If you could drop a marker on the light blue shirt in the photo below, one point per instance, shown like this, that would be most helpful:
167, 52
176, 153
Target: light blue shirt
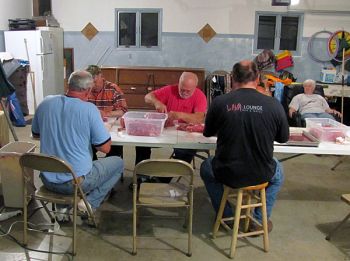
67, 127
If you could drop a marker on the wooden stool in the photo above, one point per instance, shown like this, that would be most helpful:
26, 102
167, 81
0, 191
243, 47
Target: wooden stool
248, 204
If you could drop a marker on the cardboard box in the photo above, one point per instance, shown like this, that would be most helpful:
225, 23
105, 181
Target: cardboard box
328, 76
41, 22
11, 173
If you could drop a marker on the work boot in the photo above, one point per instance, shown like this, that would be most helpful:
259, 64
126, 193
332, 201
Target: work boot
255, 227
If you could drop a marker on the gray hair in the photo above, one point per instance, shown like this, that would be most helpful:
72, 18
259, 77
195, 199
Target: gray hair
189, 75
80, 81
309, 82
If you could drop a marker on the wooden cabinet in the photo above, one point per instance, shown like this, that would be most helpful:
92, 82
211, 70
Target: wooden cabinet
110, 74
136, 82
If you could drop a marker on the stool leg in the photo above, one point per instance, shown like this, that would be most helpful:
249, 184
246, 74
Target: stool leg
221, 210
247, 213
328, 237
264, 219
236, 223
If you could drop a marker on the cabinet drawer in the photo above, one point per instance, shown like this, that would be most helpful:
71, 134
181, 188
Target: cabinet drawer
166, 77
137, 101
129, 76
163, 78
136, 89
153, 76
110, 74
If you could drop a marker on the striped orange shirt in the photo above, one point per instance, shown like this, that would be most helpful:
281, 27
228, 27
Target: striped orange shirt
110, 98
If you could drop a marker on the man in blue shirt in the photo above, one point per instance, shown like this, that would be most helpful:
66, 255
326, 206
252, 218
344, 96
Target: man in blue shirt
67, 125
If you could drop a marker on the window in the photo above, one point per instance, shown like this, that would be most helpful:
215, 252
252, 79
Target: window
278, 32
138, 28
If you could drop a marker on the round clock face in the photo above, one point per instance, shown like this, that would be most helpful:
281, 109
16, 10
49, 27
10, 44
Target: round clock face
337, 42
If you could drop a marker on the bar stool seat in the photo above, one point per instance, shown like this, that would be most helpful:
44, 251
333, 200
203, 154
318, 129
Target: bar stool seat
251, 200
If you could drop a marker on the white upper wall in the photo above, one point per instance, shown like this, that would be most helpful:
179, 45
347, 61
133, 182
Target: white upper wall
185, 16
225, 16
10, 9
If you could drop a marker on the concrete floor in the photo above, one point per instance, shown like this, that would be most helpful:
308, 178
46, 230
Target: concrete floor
308, 207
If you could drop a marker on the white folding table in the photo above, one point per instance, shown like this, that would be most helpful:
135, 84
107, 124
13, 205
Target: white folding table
172, 138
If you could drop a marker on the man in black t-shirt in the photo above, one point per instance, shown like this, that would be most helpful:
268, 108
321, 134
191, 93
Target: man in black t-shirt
246, 124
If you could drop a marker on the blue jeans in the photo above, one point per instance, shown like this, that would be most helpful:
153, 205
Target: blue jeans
104, 174
216, 189
317, 115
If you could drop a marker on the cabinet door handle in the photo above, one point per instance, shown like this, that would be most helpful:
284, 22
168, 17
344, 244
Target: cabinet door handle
149, 89
133, 88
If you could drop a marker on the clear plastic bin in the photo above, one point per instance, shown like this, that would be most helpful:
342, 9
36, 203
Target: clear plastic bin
326, 129
139, 123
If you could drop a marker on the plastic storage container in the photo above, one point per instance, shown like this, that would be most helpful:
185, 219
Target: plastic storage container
326, 129
139, 123
328, 76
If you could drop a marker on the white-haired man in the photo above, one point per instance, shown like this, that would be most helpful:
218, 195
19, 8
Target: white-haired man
311, 105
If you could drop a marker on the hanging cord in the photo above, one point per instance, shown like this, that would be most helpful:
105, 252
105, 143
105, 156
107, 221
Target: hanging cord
310, 48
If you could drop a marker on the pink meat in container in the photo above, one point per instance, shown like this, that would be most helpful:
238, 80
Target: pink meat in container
139, 123
326, 129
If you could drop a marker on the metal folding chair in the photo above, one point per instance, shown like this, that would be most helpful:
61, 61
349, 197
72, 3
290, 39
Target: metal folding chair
41, 163
161, 195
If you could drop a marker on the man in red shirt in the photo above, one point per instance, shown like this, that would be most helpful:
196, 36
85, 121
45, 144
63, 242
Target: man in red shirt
183, 102
109, 99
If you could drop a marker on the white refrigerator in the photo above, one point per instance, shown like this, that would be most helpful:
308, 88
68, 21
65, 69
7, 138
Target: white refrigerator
44, 50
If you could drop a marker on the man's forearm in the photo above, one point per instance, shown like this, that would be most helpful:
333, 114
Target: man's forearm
190, 117
331, 111
116, 113
150, 98
291, 111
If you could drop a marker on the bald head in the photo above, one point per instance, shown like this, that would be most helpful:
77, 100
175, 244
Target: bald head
244, 72
187, 84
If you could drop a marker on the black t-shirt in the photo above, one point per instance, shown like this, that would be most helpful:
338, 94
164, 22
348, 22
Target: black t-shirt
246, 123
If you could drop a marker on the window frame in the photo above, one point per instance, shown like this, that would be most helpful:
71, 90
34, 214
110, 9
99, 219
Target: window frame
277, 42
138, 12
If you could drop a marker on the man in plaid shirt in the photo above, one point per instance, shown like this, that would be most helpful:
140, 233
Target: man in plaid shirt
109, 99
